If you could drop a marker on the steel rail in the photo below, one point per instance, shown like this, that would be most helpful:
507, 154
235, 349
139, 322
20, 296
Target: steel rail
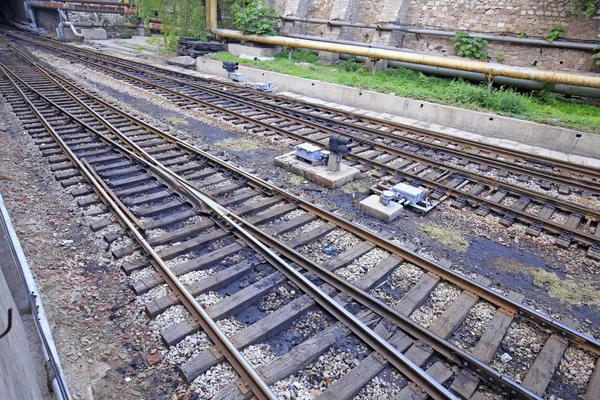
465, 283
590, 214
557, 178
233, 356
396, 358
583, 237
510, 153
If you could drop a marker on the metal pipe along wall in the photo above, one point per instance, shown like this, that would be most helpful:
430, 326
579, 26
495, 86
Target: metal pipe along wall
490, 69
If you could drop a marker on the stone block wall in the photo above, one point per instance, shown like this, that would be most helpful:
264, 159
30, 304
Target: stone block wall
501, 17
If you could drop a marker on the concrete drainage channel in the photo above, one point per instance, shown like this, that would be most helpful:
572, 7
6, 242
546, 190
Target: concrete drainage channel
427, 115
23, 321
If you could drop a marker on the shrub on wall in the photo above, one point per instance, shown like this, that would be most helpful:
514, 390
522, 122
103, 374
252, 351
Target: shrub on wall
179, 18
254, 18
467, 46
596, 55
556, 32
586, 7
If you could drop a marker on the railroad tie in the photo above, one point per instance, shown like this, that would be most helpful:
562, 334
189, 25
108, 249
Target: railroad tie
466, 382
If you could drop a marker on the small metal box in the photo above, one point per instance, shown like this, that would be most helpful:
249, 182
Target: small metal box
263, 87
309, 153
409, 193
236, 76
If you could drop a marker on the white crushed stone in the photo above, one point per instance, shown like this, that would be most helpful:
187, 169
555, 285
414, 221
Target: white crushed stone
208, 299
188, 348
331, 366
379, 389
210, 382
524, 341
362, 265
576, 367
299, 231
475, 324
173, 315
441, 297
230, 326
338, 239
196, 276
405, 276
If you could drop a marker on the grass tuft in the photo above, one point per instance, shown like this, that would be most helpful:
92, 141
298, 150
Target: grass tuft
567, 290
450, 237
242, 144
538, 106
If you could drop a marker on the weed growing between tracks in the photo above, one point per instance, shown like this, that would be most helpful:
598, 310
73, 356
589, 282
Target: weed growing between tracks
452, 238
540, 106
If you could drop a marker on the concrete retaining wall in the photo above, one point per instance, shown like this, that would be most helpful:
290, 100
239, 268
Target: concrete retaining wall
490, 125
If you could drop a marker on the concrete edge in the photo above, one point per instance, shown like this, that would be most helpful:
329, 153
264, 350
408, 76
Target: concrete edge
558, 143
578, 150
37, 308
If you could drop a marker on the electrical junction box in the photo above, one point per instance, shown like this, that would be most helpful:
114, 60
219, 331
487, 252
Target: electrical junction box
236, 76
409, 194
263, 87
309, 153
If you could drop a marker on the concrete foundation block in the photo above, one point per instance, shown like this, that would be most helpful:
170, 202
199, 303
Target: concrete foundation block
317, 173
94, 34
69, 35
374, 208
243, 51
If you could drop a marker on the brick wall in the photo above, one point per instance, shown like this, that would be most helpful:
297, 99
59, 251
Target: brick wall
533, 17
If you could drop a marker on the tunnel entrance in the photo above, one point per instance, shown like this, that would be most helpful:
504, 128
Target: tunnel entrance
13, 10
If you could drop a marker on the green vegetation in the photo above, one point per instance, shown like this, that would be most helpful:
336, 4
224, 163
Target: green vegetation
521, 35
467, 46
125, 33
177, 121
556, 32
182, 18
253, 17
596, 55
156, 40
240, 144
500, 58
584, 6
568, 290
450, 237
540, 106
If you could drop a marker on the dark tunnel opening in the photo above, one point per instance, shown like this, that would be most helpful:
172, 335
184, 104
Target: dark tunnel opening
13, 10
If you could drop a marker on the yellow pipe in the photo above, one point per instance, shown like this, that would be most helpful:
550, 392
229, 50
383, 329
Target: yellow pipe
567, 78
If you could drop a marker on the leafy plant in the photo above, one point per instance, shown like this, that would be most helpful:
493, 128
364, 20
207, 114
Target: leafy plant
500, 57
179, 18
134, 19
545, 95
467, 46
254, 18
350, 64
596, 55
521, 35
125, 33
584, 6
556, 32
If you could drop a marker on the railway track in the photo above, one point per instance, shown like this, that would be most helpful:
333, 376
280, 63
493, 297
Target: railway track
542, 194
191, 212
